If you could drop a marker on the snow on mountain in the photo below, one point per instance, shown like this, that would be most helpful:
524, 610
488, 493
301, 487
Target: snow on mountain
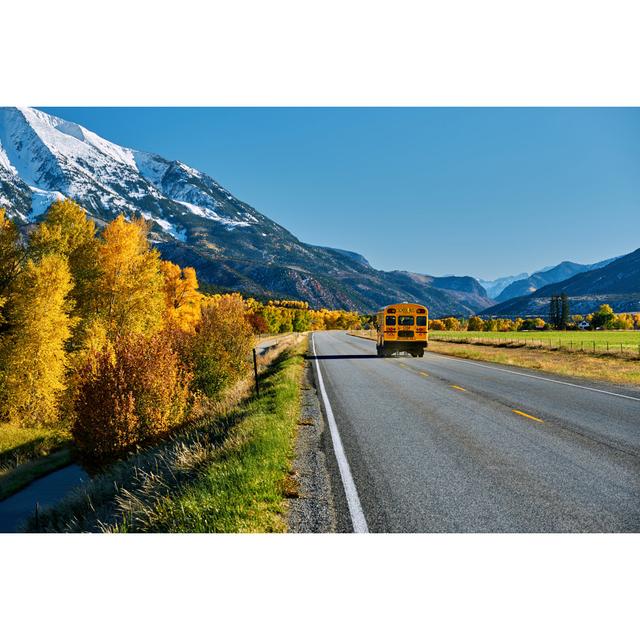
47, 157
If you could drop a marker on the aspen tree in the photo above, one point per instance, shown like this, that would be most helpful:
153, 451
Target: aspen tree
66, 230
130, 294
182, 299
12, 253
33, 355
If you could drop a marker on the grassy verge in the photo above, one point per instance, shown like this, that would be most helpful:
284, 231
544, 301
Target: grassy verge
226, 472
27, 454
243, 489
567, 363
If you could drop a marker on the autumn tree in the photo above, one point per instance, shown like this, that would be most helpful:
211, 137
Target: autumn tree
12, 253
257, 322
182, 299
622, 321
603, 317
129, 393
475, 324
491, 324
130, 294
451, 324
65, 230
504, 324
32, 355
218, 352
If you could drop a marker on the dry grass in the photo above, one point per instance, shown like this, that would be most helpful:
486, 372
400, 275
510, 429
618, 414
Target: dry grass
582, 365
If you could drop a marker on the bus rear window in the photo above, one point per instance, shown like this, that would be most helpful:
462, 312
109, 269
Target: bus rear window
405, 321
391, 320
421, 321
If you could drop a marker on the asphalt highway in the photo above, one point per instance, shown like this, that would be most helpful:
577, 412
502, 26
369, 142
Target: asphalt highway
440, 444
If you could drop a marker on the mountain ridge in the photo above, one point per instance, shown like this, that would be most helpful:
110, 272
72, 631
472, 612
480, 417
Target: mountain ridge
549, 275
195, 221
617, 283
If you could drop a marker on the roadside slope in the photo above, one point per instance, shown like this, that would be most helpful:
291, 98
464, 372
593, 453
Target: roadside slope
228, 473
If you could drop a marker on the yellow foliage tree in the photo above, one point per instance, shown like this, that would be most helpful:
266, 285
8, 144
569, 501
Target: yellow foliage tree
475, 324
66, 230
451, 324
130, 292
218, 352
33, 355
12, 254
182, 299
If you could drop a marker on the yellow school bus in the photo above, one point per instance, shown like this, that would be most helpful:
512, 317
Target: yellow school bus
403, 327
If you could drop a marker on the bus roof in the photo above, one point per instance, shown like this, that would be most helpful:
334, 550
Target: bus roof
405, 305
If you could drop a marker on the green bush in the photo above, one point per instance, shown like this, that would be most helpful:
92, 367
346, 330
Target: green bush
218, 352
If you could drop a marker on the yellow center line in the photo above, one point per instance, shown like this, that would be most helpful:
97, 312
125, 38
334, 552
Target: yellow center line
422, 373
526, 415
455, 386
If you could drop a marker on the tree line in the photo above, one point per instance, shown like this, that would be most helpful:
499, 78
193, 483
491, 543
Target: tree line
282, 316
559, 318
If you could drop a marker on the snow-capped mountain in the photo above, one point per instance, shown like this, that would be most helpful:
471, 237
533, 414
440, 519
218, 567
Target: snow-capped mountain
47, 158
195, 221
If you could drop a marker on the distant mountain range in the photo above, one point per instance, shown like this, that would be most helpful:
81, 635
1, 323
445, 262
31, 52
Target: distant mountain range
535, 281
617, 283
197, 222
495, 287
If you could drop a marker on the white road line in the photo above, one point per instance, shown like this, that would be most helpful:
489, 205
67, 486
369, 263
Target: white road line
355, 508
529, 375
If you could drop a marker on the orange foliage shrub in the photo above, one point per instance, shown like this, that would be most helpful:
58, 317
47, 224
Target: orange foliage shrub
257, 322
129, 394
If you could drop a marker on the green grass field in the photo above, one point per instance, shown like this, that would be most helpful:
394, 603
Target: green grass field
574, 340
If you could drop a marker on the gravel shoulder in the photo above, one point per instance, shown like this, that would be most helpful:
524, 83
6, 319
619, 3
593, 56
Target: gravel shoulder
313, 510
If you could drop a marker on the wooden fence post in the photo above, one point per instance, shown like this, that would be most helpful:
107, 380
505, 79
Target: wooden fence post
255, 372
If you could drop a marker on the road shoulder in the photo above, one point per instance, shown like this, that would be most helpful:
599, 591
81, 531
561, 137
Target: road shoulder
312, 510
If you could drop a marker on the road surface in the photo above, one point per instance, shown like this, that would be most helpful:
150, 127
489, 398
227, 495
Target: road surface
440, 444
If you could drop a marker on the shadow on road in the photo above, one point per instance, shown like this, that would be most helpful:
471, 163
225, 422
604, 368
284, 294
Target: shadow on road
346, 356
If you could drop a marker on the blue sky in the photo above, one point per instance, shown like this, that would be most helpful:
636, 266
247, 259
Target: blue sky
485, 192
